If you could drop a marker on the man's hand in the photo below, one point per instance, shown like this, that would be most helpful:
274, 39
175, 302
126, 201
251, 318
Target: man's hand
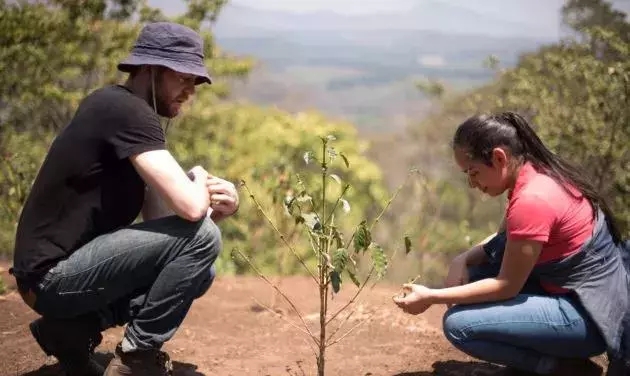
224, 200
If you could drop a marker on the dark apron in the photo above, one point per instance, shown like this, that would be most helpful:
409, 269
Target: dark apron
599, 276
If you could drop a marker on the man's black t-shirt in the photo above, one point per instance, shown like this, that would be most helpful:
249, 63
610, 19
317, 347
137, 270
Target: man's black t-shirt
86, 186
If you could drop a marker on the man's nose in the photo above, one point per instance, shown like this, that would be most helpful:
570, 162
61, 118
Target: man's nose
472, 183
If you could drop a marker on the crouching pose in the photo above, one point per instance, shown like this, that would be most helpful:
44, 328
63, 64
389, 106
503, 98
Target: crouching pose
80, 260
550, 289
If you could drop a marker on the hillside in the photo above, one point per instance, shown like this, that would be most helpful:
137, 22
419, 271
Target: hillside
366, 77
362, 67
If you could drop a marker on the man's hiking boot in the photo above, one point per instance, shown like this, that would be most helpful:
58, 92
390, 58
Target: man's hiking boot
578, 367
139, 363
72, 342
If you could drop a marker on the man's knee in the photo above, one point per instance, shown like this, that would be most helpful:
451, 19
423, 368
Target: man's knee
207, 282
208, 239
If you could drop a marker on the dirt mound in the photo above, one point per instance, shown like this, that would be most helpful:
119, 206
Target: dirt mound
229, 332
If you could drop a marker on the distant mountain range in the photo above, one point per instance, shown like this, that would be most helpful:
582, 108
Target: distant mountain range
431, 15
361, 71
363, 68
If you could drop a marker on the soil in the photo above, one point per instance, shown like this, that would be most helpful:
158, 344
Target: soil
229, 332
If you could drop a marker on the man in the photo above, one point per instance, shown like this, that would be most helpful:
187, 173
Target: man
79, 260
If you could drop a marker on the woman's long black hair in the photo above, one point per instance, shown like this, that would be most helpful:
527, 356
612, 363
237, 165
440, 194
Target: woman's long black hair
480, 134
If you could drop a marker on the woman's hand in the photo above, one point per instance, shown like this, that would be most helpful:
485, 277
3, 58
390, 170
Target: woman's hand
414, 299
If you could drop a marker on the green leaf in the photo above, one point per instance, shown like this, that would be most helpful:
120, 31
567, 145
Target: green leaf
300, 183
304, 202
345, 160
291, 207
340, 259
309, 156
335, 281
332, 154
336, 178
354, 278
304, 198
337, 236
362, 237
312, 221
407, 245
379, 259
346, 205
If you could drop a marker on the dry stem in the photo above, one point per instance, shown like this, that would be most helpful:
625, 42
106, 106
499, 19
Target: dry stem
296, 326
261, 275
348, 332
286, 242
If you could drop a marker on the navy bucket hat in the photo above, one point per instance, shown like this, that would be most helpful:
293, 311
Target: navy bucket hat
170, 45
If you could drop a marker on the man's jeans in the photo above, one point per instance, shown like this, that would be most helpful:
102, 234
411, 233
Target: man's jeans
528, 332
146, 275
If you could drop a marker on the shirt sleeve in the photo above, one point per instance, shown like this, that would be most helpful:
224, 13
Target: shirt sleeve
530, 217
137, 131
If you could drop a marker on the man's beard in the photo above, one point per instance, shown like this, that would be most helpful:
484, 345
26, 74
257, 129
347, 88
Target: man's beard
158, 103
163, 109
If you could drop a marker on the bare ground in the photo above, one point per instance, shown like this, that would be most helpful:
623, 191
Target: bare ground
228, 332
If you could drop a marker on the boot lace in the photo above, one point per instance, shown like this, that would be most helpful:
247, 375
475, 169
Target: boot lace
164, 362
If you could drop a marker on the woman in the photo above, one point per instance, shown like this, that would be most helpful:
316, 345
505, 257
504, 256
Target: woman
551, 285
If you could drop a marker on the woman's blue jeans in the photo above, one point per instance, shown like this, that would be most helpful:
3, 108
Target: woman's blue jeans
529, 332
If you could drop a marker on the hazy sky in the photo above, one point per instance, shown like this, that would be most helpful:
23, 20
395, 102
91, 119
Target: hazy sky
341, 6
544, 13
531, 13
520, 9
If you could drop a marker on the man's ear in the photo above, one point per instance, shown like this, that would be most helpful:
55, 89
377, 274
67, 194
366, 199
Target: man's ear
499, 157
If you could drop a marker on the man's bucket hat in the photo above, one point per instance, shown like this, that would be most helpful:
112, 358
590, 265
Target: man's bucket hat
170, 45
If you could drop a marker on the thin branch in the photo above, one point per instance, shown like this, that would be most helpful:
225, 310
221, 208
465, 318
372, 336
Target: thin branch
387, 205
296, 326
353, 298
329, 344
367, 279
261, 275
345, 320
343, 193
286, 242
310, 238
391, 199
432, 224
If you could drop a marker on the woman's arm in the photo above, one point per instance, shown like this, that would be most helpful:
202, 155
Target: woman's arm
518, 261
477, 255
474, 256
